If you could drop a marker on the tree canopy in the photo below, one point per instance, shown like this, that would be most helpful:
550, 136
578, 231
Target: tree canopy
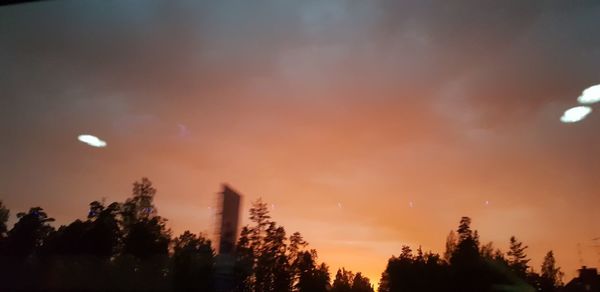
128, 246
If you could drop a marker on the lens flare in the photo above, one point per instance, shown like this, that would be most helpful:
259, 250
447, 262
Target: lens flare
590, 95
575, 114
91, 140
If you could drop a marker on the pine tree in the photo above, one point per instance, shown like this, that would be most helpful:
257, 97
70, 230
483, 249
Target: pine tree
466, 253
263, 247
517, 259
551, 277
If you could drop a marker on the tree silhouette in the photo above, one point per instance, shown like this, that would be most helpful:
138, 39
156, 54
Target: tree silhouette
343, 281
262, 260
346, 281
361, 284
193, 263
29, 232
127, 246
104, 234
244, 261
451, 242
146, 234
517, 259
551, 276
467, 266
467, 249
310, 276
274, 256
19, 268
420, 272
265, 260
140, 206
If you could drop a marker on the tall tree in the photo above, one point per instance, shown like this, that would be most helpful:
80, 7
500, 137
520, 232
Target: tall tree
140, 206
263, 245
517, 258
551, 277
146, 234
466, 263
145, 244
466, 252
274, 255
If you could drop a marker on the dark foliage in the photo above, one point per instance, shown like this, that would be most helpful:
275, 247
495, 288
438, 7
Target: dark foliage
127, 246
468, 266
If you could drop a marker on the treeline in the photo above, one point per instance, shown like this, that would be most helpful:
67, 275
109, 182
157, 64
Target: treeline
127, 246
469, 266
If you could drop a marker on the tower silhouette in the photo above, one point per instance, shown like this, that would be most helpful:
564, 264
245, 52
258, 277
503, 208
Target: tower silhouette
228, 216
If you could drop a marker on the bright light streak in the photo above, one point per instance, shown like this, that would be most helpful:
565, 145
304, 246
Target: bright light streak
575, 114
91, 140
590, 95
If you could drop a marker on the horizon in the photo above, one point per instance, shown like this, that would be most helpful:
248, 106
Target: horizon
213, 236
366, 125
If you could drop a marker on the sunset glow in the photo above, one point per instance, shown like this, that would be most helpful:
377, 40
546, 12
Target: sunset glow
363, 125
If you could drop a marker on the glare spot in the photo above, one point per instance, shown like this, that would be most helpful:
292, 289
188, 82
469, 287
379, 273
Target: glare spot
272, 206
487, 203
590, 95
410, 204
91, 140
339, 205
575, 114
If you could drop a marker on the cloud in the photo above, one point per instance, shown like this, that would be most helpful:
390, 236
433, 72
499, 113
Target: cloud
371, 104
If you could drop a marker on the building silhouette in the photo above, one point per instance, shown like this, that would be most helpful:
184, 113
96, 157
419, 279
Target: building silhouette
228, 217
587, 281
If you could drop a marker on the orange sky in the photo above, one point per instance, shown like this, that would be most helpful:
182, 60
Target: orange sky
312, 106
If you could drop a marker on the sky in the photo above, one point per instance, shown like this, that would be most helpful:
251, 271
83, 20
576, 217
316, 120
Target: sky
365, 125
